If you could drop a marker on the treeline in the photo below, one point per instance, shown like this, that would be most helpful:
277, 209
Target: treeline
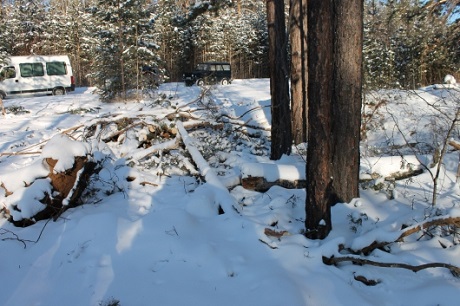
407, 43
410, 43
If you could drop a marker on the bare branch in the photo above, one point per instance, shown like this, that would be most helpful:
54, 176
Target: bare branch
361, 261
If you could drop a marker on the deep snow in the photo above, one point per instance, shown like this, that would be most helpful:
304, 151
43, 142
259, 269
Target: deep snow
165, 244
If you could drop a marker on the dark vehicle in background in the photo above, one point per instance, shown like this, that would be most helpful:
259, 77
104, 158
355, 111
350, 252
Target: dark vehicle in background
209, 73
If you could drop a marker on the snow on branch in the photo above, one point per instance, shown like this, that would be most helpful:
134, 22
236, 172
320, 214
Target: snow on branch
380, 239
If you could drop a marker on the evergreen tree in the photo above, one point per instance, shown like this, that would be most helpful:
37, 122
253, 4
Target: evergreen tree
79, 25
24, 29
379, 70
248, 41
237, 34
173, 51
124, 42
409, 43
3, 38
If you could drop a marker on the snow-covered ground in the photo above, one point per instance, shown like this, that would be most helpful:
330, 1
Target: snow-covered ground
157, 238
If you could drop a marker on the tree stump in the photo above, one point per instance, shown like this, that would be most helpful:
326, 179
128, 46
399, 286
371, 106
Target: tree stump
67, 188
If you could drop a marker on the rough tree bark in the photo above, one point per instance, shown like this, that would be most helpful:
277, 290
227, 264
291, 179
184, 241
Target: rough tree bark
346, 98
298, 38
319, 154
334, 116
281, 136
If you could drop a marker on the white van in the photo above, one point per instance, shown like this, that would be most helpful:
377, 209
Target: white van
36, 73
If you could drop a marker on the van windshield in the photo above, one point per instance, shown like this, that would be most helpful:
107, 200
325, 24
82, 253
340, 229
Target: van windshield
7, 73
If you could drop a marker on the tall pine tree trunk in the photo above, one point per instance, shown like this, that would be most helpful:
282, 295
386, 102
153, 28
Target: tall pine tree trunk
319, 154
334, 117
281, 136
299, 106
346, 124
121, 48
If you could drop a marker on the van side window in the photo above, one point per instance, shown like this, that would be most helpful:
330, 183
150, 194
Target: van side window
226, 67
56, 68
8, 73
31, 69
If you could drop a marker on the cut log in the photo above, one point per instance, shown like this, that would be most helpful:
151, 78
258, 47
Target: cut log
142, 153
454, 144
261, 184
262, 176
277, 234
64, 182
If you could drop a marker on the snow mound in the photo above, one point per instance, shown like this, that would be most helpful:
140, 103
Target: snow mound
63, 149
449, 79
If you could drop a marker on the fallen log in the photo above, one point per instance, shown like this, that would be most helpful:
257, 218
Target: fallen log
142, 153
262, 176
226, 202
361, 261
261, 184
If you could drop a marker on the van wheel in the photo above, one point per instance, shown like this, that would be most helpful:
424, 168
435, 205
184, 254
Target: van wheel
58, 91
225, 82
200, 82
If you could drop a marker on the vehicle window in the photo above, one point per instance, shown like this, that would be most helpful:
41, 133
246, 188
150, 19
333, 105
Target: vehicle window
213, 68
31, 69
202, 67
226, 67
56, 68
8, 73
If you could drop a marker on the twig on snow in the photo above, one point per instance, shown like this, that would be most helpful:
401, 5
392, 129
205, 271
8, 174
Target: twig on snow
23, 241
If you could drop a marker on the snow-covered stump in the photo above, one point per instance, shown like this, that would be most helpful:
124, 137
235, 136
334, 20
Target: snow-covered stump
66, 167
69, 185
222, 196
